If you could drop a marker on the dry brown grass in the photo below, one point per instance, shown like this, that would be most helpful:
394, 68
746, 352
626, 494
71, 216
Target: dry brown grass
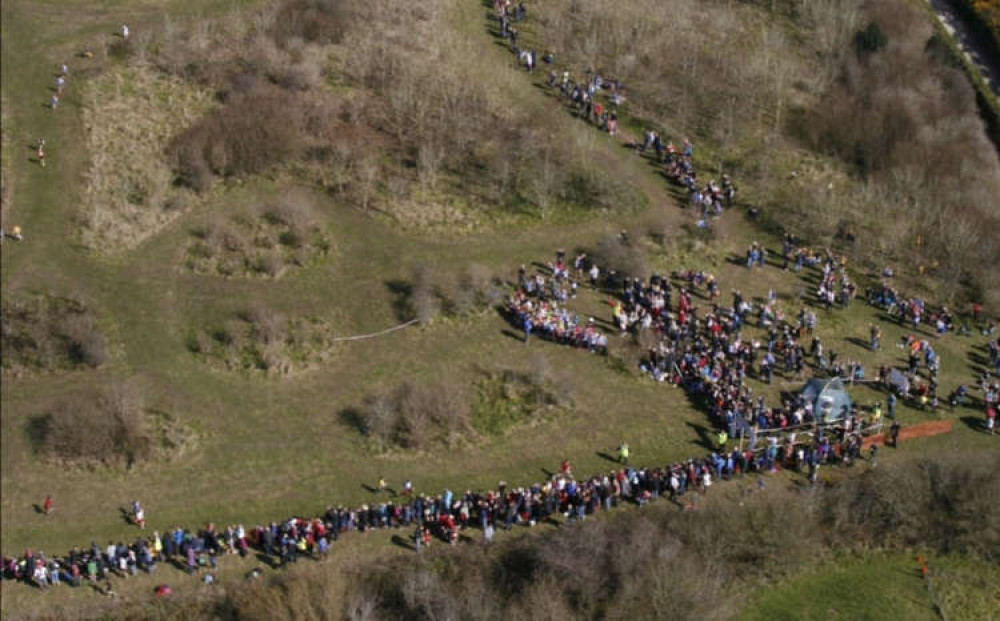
130, 115
382, 104
914, 176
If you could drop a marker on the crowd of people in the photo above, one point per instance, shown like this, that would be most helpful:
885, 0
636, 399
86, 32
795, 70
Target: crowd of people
703, 350
442, 517
538, 306
597, 99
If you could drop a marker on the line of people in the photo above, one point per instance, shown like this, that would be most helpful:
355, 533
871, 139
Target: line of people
598, 99
442, 517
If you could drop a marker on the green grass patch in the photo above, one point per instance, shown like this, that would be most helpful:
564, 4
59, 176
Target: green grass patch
506, 399
880, 587
883, 587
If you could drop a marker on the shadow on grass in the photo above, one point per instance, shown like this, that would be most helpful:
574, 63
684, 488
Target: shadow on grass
402, 542
177, 564
402, 305
513, 335
974, 423
853, 340
978, 363
353, 418
704, 436
607, 457
37, 429
267, 560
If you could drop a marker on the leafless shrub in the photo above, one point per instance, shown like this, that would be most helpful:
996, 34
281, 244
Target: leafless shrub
109, 428
316, 21
261, 340
473, 290
252, 133
424, 300
49, 333
300, 593
265, 241
380, 419
415, 416
622, 255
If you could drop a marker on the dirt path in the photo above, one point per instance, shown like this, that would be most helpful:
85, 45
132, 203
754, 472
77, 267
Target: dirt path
974, 49
920, 430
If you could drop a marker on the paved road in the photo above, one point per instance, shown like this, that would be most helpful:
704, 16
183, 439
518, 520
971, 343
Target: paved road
975, 51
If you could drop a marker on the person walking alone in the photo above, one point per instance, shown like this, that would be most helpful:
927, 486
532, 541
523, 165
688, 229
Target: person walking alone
138, 515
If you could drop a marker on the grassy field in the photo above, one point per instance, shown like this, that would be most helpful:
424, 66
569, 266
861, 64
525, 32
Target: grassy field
883, 587
265, 446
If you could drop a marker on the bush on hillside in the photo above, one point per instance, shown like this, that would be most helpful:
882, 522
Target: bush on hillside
109, 428
928, 174
869, 40
620, 255
260, 340
414, 416
254, 132
265, 243
506, 399
49, 333
416, 114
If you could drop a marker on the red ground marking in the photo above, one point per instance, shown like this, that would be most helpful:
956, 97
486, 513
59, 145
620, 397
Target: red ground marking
920, 430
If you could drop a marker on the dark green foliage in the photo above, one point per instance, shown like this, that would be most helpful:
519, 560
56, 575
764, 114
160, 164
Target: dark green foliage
870, 40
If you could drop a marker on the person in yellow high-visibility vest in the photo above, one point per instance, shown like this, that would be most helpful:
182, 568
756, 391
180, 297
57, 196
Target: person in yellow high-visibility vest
623, 453
723, 438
